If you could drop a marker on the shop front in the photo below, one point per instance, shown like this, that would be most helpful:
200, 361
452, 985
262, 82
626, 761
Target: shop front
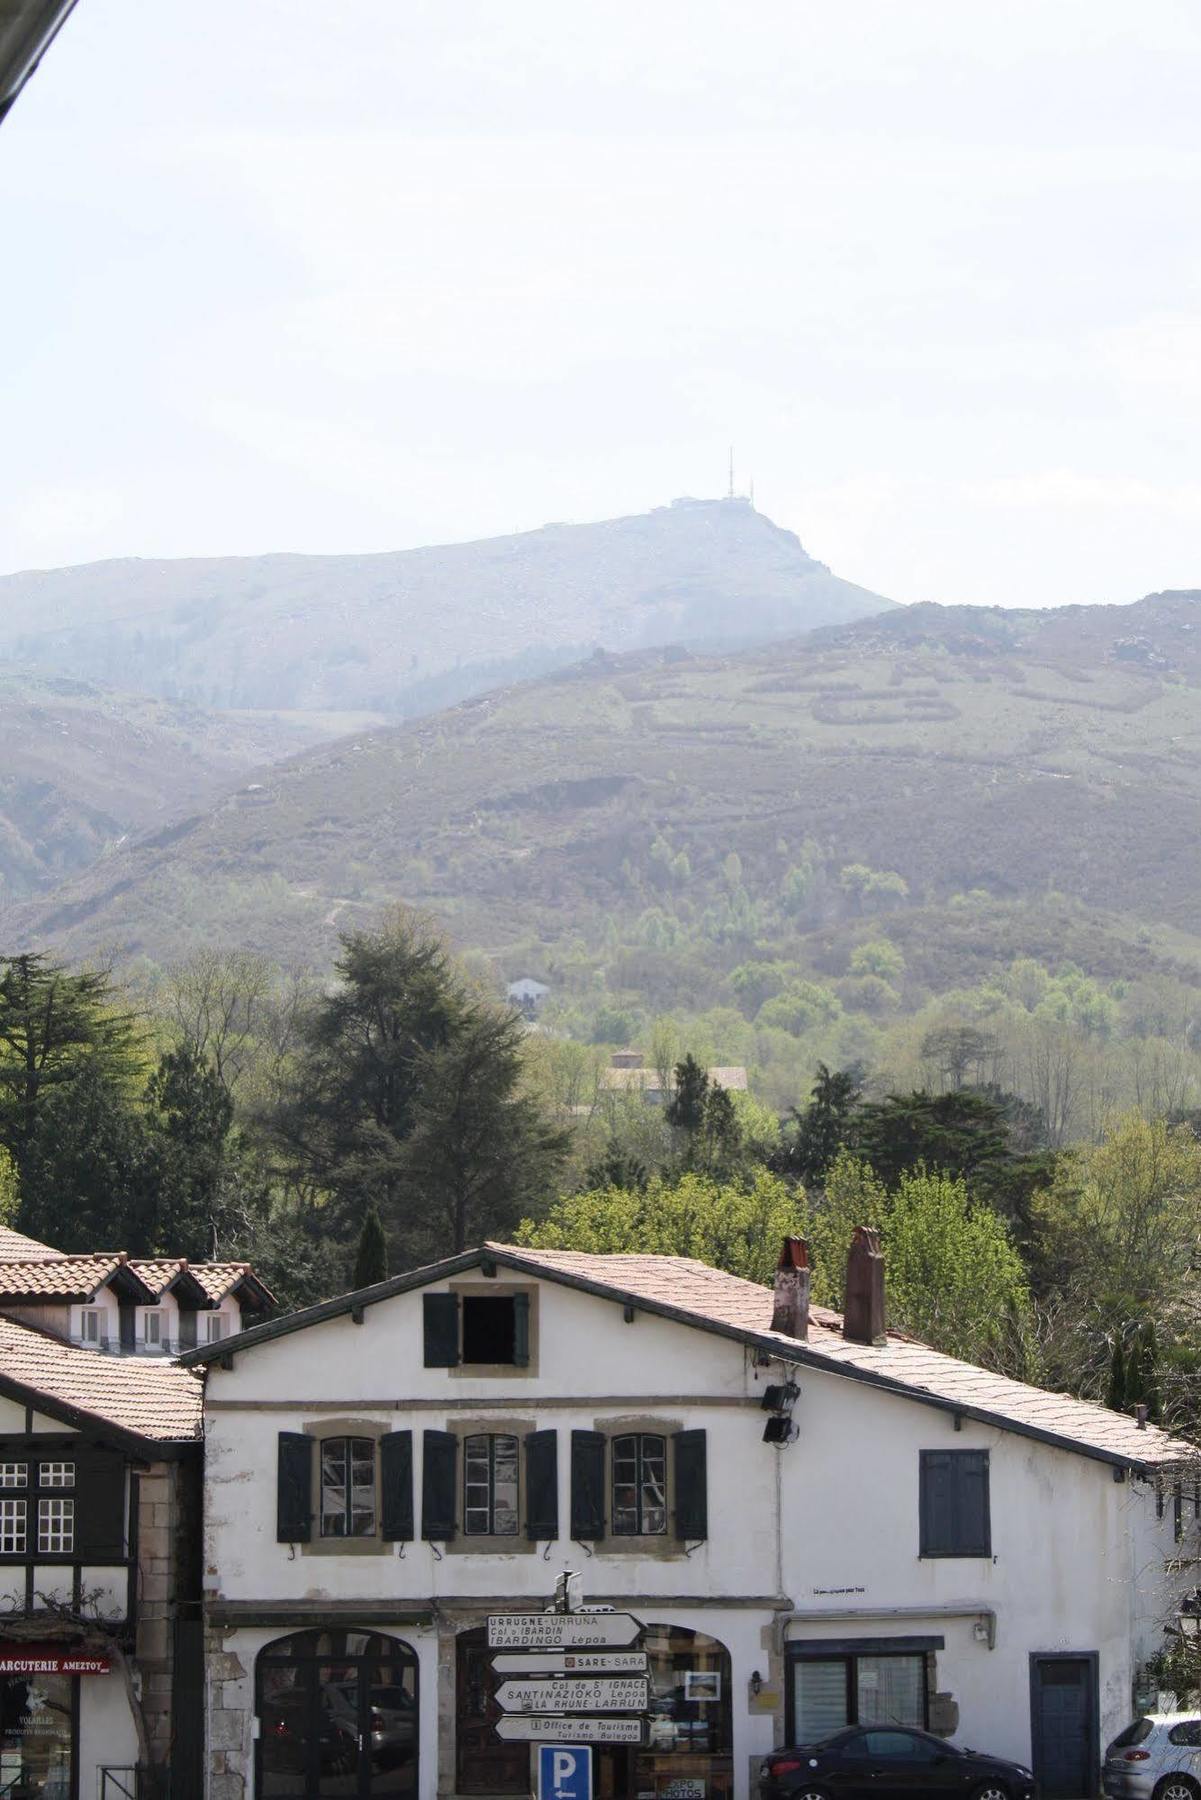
41, 1687
687, 1753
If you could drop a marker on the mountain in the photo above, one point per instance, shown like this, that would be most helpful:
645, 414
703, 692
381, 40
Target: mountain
1040, 761
82, 767
404, 632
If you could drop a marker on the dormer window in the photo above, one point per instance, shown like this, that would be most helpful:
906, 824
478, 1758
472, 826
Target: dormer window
92, 1326
478, 1329
152, 1329
215, 1327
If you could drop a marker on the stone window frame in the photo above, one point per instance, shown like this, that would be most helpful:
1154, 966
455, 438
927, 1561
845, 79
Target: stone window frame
663, 1546
481, 1543
375, 1545
486, 1288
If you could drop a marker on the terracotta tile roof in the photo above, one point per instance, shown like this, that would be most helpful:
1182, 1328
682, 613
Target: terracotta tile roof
156, 1272
219, 1279
63, 1278
684, 1286
640, 1080
16, 1247
146, 1395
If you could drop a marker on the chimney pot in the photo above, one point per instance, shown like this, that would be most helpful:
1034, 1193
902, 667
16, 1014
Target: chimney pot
863, 1308
790, 1309
1140, 1416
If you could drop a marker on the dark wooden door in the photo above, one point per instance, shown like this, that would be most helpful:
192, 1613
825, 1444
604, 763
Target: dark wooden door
484, 1764
1063, 1705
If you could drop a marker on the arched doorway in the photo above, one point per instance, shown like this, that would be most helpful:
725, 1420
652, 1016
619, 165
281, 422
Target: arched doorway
689, 1737
338, 1717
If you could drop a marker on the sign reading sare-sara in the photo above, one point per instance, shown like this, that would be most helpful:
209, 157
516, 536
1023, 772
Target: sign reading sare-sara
571, 1662
613, 1693
560, 1631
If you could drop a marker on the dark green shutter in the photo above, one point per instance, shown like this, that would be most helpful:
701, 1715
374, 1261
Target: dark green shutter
954, 1505
439, 1458
974, 1535
541, 1485
294, 1488
521, 1330
692, 1486
101, 1479
441, 1318
587, 1486
396, 1486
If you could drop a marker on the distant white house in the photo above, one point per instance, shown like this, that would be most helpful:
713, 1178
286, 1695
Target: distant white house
527, 994
817, 1522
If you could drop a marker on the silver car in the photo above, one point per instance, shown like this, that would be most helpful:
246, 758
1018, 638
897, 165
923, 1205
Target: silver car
1156, 1758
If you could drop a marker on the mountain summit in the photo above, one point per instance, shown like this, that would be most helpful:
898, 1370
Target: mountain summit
402, 632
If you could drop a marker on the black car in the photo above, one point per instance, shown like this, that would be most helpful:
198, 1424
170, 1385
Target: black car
882, 1762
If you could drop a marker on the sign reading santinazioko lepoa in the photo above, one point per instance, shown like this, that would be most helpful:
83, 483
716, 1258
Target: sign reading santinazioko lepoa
560, 1631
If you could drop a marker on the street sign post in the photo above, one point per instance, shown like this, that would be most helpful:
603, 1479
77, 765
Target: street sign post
600, 1694
561, 1631
563, 1773
549, 1728
571, 1662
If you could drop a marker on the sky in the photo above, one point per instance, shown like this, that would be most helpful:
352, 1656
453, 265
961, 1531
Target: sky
281, 275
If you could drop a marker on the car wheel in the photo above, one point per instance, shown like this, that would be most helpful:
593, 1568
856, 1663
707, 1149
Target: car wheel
1176, 1787
991, 1790
805, 1792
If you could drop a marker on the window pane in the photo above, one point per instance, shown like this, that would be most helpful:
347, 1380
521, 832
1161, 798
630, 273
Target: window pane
362, 1492
56, 1474
654, 1485
14, 1474
56, 1527
891, 1690
625, 1486
819, 1698
333, 1487
12, 1527
477, 1486
504, 1486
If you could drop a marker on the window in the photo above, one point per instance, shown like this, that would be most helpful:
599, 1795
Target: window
489, 1328
152, 1328
12, 1527
347, 1487
900, 1746
639, 1485
829, 1692
91, 1325
954, 1503
56, 1527
1189, 1734
490, 1485
14, 1474
56, 1474
214, 1327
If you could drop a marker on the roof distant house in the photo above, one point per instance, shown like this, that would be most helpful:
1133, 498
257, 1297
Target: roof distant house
693, 1293
208, 1282
71, 1278
626, 1074
155, 1401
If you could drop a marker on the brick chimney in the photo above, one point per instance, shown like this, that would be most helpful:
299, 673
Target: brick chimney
863, 1310
790, 1312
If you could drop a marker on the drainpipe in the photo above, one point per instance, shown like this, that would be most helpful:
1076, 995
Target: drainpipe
815, 1615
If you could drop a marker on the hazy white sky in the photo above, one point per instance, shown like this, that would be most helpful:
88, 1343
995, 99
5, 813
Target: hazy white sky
281, 274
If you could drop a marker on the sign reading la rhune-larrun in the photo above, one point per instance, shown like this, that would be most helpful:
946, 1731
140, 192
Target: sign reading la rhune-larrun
615, 1693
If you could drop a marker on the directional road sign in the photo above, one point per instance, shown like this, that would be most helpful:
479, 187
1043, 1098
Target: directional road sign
604, 1693
533, 1728
564, 1774
561, 1631
571, 1662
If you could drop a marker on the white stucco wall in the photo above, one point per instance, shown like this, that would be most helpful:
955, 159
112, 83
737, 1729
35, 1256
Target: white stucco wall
1077, 1559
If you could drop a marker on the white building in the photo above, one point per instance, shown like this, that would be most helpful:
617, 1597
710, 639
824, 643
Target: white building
934, 1544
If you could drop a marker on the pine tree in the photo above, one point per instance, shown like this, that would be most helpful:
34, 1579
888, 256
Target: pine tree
371, 1258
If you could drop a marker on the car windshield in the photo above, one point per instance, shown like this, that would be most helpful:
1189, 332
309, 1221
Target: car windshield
1133, 1734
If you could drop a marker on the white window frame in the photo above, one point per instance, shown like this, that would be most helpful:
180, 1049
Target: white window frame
153, 1316
56, 1527
14, 1474
92, 1322
14, 1526
56, 1474
216, 1327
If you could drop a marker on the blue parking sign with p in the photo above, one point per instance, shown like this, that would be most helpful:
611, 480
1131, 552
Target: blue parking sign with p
564, 1772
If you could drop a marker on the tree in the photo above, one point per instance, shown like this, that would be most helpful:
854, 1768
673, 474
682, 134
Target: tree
408, 1094
53, 1025
955, 1278
850, 1196
191, 1114
91, 1175
371, 1258
824, 1126
217, 1001
9, 1198
735, 1225
685, 1111
957, 1133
